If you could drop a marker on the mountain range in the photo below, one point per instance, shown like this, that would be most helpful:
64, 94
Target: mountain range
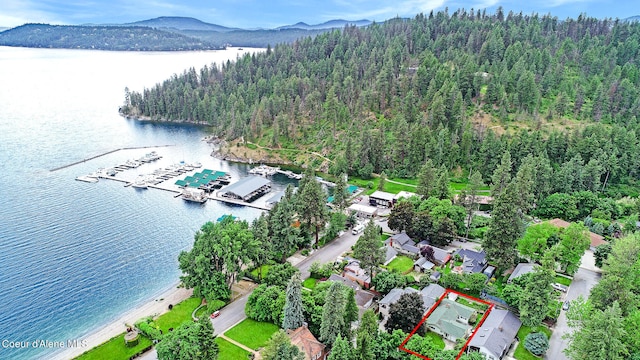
165, 33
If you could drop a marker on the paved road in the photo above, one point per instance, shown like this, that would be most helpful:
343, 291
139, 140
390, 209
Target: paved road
582, 283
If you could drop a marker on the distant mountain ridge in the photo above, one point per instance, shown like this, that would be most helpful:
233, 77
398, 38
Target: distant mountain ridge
166, 33
633, 18
331, 24
180, 23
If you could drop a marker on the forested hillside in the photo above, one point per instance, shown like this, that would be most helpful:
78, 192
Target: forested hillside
459, 89
132, 38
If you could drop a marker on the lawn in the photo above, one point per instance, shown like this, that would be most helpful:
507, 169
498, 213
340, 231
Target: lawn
180, 314
265, 270
563, 280
400, 264
521, 353
436, 339
229, 351
115, 349
251, 333
310, 283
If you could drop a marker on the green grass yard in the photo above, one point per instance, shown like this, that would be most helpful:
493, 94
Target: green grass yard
436, 339
265, 270
310, 283
180, 314
400, 264
229, 351
115, 349
563, 280
521, 353
251, 333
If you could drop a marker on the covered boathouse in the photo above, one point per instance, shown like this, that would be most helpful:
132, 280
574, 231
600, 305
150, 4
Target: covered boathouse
247, 189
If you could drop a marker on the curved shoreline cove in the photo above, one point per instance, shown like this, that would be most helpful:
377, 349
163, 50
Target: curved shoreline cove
76, 256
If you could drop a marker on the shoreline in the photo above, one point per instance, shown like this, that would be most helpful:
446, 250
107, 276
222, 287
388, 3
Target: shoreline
156, 306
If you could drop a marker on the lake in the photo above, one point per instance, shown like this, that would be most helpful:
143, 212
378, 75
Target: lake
75, 255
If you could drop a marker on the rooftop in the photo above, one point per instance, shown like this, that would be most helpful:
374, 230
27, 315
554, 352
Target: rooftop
521, 269
497, 332
382, 195
596, 239
246, 186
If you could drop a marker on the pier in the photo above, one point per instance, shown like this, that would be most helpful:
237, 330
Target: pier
237, 202
106, 153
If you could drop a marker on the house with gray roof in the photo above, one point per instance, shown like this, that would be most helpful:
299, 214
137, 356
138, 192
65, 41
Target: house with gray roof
389, 254
521, 269
451, 320
472, 261
422, 265
403, 244
344, 281
431, 294
496, 335
440, 258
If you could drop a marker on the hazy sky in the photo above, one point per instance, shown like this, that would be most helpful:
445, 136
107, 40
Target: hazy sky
274, 13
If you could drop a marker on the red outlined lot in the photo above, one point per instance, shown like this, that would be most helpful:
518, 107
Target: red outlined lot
424, 318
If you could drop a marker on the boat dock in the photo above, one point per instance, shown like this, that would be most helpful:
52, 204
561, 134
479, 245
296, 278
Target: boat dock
237, 202
106, 153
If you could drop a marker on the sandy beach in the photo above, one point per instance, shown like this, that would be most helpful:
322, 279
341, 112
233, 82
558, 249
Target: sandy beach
155, 307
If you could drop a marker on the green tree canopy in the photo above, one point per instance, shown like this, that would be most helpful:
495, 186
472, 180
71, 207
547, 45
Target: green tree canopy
193, 340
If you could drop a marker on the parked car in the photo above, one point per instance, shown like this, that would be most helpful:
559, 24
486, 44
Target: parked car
566, 305
559, 287
215, 314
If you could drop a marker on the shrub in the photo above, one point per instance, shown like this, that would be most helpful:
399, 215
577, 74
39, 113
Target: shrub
148, 329
536, 343
319, 271
215, 305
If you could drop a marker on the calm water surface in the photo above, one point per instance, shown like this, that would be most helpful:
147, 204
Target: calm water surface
73, 255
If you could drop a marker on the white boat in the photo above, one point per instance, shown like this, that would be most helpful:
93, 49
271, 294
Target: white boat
140, 183
195, 195
196, 164
87, 179
264, 170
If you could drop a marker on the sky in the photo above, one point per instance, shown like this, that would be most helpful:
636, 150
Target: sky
274, 13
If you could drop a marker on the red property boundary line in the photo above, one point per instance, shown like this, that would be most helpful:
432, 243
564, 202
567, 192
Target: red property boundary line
424, 318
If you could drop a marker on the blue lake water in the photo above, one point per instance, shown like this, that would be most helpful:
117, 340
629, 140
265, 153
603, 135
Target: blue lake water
73, 255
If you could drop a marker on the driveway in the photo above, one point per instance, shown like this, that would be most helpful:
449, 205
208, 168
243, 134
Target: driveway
582, 283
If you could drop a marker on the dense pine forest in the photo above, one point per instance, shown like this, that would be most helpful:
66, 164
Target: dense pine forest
457, 88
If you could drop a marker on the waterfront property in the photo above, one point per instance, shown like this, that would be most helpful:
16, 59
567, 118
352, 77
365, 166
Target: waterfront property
247, 189
206, 180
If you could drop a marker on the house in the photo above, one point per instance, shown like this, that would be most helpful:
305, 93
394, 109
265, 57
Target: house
354, 272
403, 244
381, 198
346, 282
440, 256
595, 239
435, 276
430, 295
363, 211
422, 265
390, 254
521, 269
472, 261
391, 298
496, 335
364, 300
451, 320
305, 341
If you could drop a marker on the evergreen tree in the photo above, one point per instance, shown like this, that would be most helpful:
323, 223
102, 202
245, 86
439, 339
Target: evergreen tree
312, 204
382, 181
536, 297
341, 350
366, 335
441, 186
284, 236
333, 315
501, 176
470, 200
351, 308
536, 343
426, 180
340, 193
504, 230
293, 316
368, 248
